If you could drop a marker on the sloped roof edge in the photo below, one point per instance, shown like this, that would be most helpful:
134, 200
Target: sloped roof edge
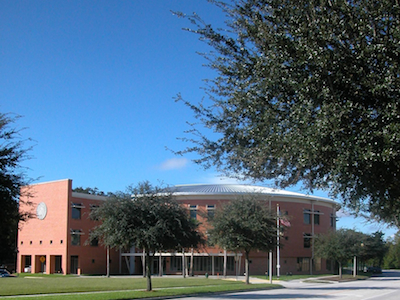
238, 189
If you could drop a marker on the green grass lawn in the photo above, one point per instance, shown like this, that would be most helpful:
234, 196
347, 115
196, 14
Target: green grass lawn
102, 288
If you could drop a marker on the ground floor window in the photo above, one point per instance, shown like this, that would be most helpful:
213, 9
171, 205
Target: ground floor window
28, 261
219, 263
176, 263
74, 264
303, 264
317, 264
58, 264
202, 263
329, 264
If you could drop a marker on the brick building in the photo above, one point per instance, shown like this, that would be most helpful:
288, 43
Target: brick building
57, 240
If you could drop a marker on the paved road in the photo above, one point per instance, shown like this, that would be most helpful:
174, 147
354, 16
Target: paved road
385, 286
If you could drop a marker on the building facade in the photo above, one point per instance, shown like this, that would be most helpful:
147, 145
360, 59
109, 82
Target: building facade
57, 240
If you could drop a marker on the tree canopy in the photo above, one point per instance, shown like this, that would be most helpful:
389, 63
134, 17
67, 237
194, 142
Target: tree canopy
244, 225
392, 258
12, 177
148, 218
89, 191
305, 92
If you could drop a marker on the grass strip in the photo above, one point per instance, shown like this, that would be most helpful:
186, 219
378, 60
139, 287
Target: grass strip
56, 286
162, 292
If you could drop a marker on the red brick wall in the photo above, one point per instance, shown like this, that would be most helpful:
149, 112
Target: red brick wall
51, 236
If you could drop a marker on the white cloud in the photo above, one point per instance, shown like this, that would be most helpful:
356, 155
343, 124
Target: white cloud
174, 163
214, 178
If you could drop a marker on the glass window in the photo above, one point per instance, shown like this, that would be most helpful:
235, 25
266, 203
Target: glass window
333, 220
176, 263
303, 264
307, 240
307, 216
329, 264
219, 263
94, 242
210, 211
76, 210
317, 264
92, 208
76, 213
193, 211
316, 217
76, 237
202, 263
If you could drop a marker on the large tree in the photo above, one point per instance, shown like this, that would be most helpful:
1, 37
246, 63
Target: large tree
148, 218
12, 177
244, 225
340, 246
306, 92
373, 248
392, 257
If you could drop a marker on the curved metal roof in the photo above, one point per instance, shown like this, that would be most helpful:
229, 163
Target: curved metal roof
237, 189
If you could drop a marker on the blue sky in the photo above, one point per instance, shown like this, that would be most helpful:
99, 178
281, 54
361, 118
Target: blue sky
95, 83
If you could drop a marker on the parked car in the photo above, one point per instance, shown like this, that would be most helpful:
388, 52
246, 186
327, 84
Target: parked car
5, 273
374, 270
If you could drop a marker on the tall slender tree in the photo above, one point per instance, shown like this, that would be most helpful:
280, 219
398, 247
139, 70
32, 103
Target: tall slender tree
245, 224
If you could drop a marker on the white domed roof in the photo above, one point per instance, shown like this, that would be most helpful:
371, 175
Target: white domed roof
238, 189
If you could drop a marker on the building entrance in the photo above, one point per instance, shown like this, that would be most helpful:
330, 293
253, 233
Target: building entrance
74, 264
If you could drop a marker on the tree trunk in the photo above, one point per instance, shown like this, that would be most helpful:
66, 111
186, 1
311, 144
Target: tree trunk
148, 271
340, 270
108, 261
247, 267
183, 264
191, 264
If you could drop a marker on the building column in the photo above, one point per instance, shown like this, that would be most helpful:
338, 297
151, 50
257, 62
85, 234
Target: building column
212, 264
225, 259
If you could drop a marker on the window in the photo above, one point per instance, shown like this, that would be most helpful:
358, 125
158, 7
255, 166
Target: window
329, 265
202, 263
307, 240
28, 261
176, 263
316, 217
303, 264
76, 210
307, 216
94, 242
74, 264
210, 211
219, 263
75, 240
317, 264
76, 237
193, 211
93, 208
333, 220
